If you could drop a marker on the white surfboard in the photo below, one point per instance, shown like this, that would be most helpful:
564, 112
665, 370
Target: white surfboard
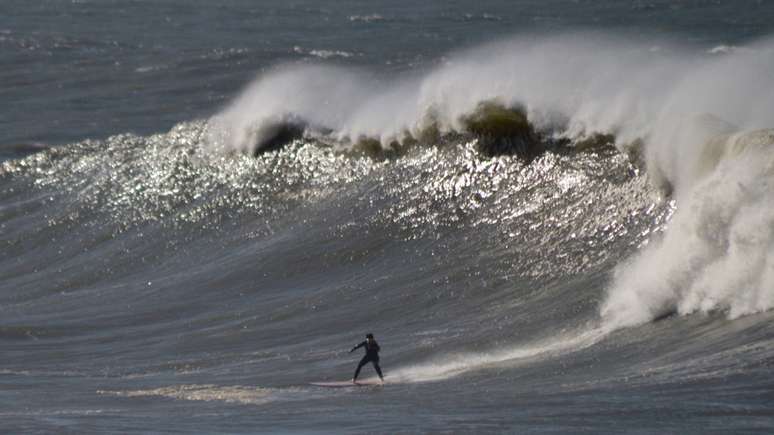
344, 384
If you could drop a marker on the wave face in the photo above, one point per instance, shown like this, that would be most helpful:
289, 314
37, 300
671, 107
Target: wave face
572, 229
693, 117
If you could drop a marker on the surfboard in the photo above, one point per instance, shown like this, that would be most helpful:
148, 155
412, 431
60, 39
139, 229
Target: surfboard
345, 384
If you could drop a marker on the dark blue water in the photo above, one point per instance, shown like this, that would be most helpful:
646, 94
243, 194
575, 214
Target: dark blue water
171, 263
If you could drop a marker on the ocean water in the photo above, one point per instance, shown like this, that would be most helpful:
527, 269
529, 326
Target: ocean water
555, 216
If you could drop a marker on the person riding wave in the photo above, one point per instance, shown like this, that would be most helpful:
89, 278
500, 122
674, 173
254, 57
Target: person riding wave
372, 356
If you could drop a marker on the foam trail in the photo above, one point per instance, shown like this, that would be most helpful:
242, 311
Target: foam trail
232, 394
455, 365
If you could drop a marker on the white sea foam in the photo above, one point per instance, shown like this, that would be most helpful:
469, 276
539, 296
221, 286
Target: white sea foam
718, 253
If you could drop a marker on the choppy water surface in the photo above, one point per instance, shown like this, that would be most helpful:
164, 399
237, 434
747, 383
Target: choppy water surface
554, 216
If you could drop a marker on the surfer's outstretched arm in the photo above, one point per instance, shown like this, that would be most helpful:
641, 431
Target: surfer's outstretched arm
357, 347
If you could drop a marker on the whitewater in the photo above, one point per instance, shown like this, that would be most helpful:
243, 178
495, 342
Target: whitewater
565, 231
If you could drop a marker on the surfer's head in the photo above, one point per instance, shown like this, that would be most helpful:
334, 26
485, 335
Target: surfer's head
369, 336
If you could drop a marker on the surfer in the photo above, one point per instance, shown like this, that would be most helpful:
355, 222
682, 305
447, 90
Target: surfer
372, 356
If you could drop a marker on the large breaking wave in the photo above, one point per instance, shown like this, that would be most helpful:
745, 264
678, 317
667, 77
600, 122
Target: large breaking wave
690, 116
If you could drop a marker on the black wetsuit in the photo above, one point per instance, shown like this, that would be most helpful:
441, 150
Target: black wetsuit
372, 356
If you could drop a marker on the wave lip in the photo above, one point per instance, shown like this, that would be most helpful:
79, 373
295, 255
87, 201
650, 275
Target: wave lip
495, 128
